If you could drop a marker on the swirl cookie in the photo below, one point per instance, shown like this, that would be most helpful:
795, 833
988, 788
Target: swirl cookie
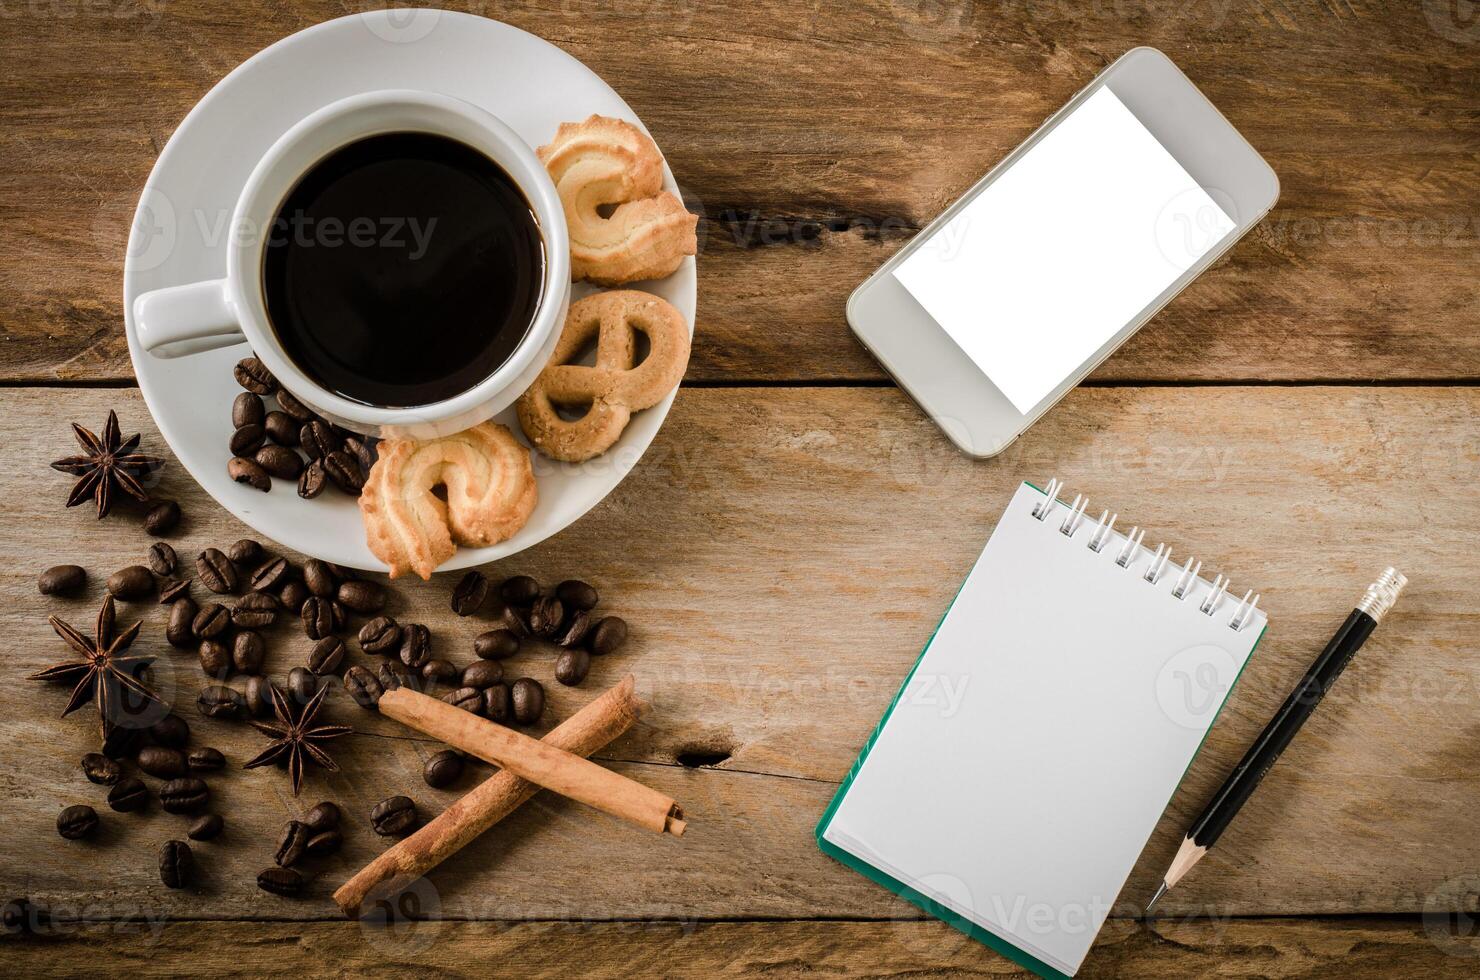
608, 163
613, 389
490, 491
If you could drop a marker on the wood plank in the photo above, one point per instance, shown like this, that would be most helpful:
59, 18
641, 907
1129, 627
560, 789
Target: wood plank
816, 138
782, 556
1268, 949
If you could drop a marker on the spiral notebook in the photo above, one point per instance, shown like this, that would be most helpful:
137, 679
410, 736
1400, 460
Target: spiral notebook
1025, 761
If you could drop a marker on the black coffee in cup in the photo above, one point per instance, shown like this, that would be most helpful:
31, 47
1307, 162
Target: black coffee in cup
403, 269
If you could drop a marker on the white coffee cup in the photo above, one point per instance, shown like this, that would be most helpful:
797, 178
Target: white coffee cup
182, 320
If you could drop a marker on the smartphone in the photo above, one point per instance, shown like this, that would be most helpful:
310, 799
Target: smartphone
1004, 302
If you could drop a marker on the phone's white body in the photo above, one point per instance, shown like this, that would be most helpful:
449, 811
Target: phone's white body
935, 370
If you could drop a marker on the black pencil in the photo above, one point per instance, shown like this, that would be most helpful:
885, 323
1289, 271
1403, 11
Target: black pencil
1241, 783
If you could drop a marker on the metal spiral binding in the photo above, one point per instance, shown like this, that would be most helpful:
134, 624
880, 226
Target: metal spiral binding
1130, 551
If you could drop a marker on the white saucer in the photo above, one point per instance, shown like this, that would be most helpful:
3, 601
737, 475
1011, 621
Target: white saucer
183, 221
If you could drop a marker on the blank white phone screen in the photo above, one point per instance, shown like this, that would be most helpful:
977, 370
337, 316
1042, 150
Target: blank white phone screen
1064, 249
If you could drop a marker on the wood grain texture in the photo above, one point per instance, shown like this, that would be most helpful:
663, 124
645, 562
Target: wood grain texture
782, 555
816, 137
1267, 949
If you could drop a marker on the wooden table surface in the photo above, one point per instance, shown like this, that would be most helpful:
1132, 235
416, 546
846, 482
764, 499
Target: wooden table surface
1307, 412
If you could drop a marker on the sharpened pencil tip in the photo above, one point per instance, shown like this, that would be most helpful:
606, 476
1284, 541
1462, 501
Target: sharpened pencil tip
1156, 898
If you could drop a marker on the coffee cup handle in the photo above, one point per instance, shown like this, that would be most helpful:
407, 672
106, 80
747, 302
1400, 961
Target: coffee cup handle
199, 312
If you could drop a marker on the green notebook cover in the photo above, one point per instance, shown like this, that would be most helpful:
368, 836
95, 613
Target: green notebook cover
923, 902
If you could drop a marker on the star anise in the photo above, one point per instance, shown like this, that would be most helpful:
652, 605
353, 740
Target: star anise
295, 735
104, 674
107, 466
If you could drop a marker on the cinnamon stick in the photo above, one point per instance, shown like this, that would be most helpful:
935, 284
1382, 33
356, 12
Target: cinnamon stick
585, 732
539, 762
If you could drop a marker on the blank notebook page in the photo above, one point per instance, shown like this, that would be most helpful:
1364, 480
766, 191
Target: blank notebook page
1042, 733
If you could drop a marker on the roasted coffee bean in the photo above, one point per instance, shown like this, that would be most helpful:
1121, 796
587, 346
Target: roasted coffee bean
289, 403
302, 685
211, 621
416, 644
323, 844
173, 588
282, 463
496, 645
572, 666
393, 674
440, 672
527, 698
100, 769
128, 795
245, 553
317, 439
344, 470
324, 816
257, 696
121, 741
248, 652
318, 617
215, 659
162, 558
171, 731
482, 673
176, 864
133, 582
62, 580
363, 686
219, 701
281, 429
280, 881
326, 655
292, 596
380, 636
312, 481
247, 440
466, 698
77, 822
270, 574
248, 471
184, 795
180, 631
208, 827
365, 452
546, 616
608, 634
161, 761
507, 617
216, 572
205, 760
318, 578
255, 610
247, 409
365, 598
253, 375
521, 590
291, 843
394, 816
343, 573
496, 704
469, 593
442, 769
577, 629
162, 517
576, 595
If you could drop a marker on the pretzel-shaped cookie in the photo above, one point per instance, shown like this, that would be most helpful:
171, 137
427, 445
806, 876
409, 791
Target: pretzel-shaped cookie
613, 388
490, 494
603, 162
